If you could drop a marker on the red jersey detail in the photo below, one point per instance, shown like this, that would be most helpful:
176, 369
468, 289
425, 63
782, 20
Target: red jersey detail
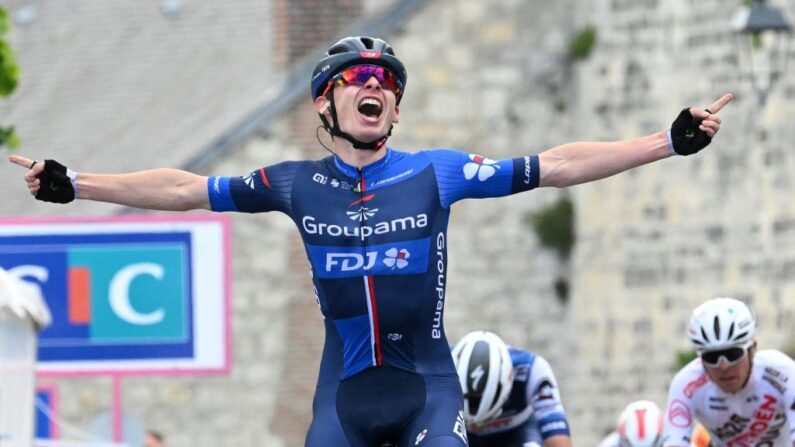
264, 178
363, 199
694, 385
759, 425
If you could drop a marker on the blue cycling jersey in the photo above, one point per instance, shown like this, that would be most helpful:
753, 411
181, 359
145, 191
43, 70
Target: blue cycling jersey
533, 411
376, 242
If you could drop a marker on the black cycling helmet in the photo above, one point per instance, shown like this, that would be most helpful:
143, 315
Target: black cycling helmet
352, 51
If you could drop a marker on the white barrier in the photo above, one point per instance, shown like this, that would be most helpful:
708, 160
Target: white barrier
22, 314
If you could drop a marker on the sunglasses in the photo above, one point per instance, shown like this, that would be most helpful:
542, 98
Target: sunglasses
732, 355
360, 74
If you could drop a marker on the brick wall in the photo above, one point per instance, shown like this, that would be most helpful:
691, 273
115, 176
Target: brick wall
301, 25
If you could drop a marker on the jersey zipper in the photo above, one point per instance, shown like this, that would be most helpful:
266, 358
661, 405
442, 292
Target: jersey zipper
369, 282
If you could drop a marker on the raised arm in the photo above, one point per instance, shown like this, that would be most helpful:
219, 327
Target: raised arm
157, 189
582, 162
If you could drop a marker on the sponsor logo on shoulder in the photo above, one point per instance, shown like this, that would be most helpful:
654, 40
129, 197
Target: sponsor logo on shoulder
679, 414
481, 167
545, 390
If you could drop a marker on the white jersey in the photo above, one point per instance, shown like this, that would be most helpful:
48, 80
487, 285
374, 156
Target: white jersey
762, 414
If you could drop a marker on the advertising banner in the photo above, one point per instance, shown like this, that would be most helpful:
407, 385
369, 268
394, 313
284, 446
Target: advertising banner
126, 294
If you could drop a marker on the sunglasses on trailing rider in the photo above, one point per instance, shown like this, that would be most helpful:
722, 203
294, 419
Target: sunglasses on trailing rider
732, 355
360, 74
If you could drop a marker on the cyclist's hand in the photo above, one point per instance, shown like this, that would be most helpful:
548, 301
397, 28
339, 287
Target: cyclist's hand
48, 180
694, 128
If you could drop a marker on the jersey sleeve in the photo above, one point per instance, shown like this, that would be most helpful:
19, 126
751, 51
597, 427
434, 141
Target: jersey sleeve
785, 375
467, 176
544, 396
678, 420
266, 189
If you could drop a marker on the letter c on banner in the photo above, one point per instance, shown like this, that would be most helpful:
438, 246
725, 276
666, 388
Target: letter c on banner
120, 294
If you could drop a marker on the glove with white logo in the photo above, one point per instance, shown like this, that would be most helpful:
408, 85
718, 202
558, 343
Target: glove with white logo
686, 137
57, 183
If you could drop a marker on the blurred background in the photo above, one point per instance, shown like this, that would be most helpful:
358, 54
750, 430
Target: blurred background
599, 279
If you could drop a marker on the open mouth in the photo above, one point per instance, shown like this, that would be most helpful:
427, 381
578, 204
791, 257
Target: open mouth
370, 107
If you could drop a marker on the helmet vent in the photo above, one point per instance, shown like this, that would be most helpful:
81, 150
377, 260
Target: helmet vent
731, 331
368, 43
337, 49
497, 393
740, 336
704, 334
717, 327
474, 401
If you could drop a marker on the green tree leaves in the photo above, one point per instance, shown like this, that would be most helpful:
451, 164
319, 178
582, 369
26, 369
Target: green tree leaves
9, 77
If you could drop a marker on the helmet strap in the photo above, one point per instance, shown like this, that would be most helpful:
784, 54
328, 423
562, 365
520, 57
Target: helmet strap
334, 130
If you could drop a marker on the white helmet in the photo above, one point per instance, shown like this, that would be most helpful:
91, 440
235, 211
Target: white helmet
485, 371
640, 425
721, 323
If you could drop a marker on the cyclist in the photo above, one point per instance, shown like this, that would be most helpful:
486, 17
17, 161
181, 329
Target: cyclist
742, 396
511, 397
373, 221
639, 425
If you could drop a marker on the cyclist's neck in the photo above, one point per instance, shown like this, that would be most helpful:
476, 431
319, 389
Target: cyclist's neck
358, 158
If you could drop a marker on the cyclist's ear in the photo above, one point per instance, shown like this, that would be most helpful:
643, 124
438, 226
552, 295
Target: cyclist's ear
322, 105
396, 118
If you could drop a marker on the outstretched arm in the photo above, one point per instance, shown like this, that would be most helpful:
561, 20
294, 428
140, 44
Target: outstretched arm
157, 189
582, 162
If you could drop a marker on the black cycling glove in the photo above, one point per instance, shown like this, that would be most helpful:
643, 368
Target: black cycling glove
687, 138
57, 183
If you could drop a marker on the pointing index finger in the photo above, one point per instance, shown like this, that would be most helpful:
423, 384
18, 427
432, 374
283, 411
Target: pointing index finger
721, 102
22, 161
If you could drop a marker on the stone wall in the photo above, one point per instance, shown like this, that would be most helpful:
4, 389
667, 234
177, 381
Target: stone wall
494, 78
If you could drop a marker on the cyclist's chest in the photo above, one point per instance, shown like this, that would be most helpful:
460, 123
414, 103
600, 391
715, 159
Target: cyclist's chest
337, 210
753, 417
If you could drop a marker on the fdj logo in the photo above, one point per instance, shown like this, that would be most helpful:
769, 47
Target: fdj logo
111, 294
348, 262
407, 258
